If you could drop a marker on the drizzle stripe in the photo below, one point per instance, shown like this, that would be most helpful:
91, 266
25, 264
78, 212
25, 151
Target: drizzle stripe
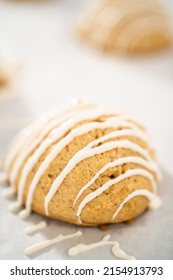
116, 250
42, 132
119, 161
66, 124
35, 228
107, 185
44, 125
53, 136
47, 243
112, 122
29, 132
151, 197
86, 153
138, 34
16, 145
9, 192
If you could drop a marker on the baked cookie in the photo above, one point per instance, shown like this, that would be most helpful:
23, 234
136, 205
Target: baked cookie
127, 26
87, 165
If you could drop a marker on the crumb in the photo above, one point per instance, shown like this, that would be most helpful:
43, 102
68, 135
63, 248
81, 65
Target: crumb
103, 227
130, 222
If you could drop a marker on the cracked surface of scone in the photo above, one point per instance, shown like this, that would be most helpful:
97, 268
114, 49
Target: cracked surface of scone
60, 174
127, 26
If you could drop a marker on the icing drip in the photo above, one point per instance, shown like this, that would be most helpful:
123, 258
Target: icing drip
10, 192
16, 145
116, 250
155, 201
15, 207
107, 185
47, 243
36, 228
24, 214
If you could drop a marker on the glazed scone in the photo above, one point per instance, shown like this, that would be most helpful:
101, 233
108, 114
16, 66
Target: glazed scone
88, 165
127, 26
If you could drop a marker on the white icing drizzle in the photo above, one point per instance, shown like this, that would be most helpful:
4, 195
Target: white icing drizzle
35, 228
129, 173
47, 243
58, 129
86, 153
43, 126
137, 31
155, 201
119, 161
3, 178
54, 136
28, 134
76, 101
10, 192
65, 141
52, 128
22, 148
128, 21
116, 250
16, 145
24, 214
15, 207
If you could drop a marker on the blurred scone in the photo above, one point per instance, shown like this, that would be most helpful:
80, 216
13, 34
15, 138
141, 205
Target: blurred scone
127, 26
9, 69
88, 165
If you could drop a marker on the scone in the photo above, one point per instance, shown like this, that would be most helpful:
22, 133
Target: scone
87, 165
127, 26
9, 69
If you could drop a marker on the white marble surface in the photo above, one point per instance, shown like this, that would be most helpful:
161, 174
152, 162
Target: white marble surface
54, 68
